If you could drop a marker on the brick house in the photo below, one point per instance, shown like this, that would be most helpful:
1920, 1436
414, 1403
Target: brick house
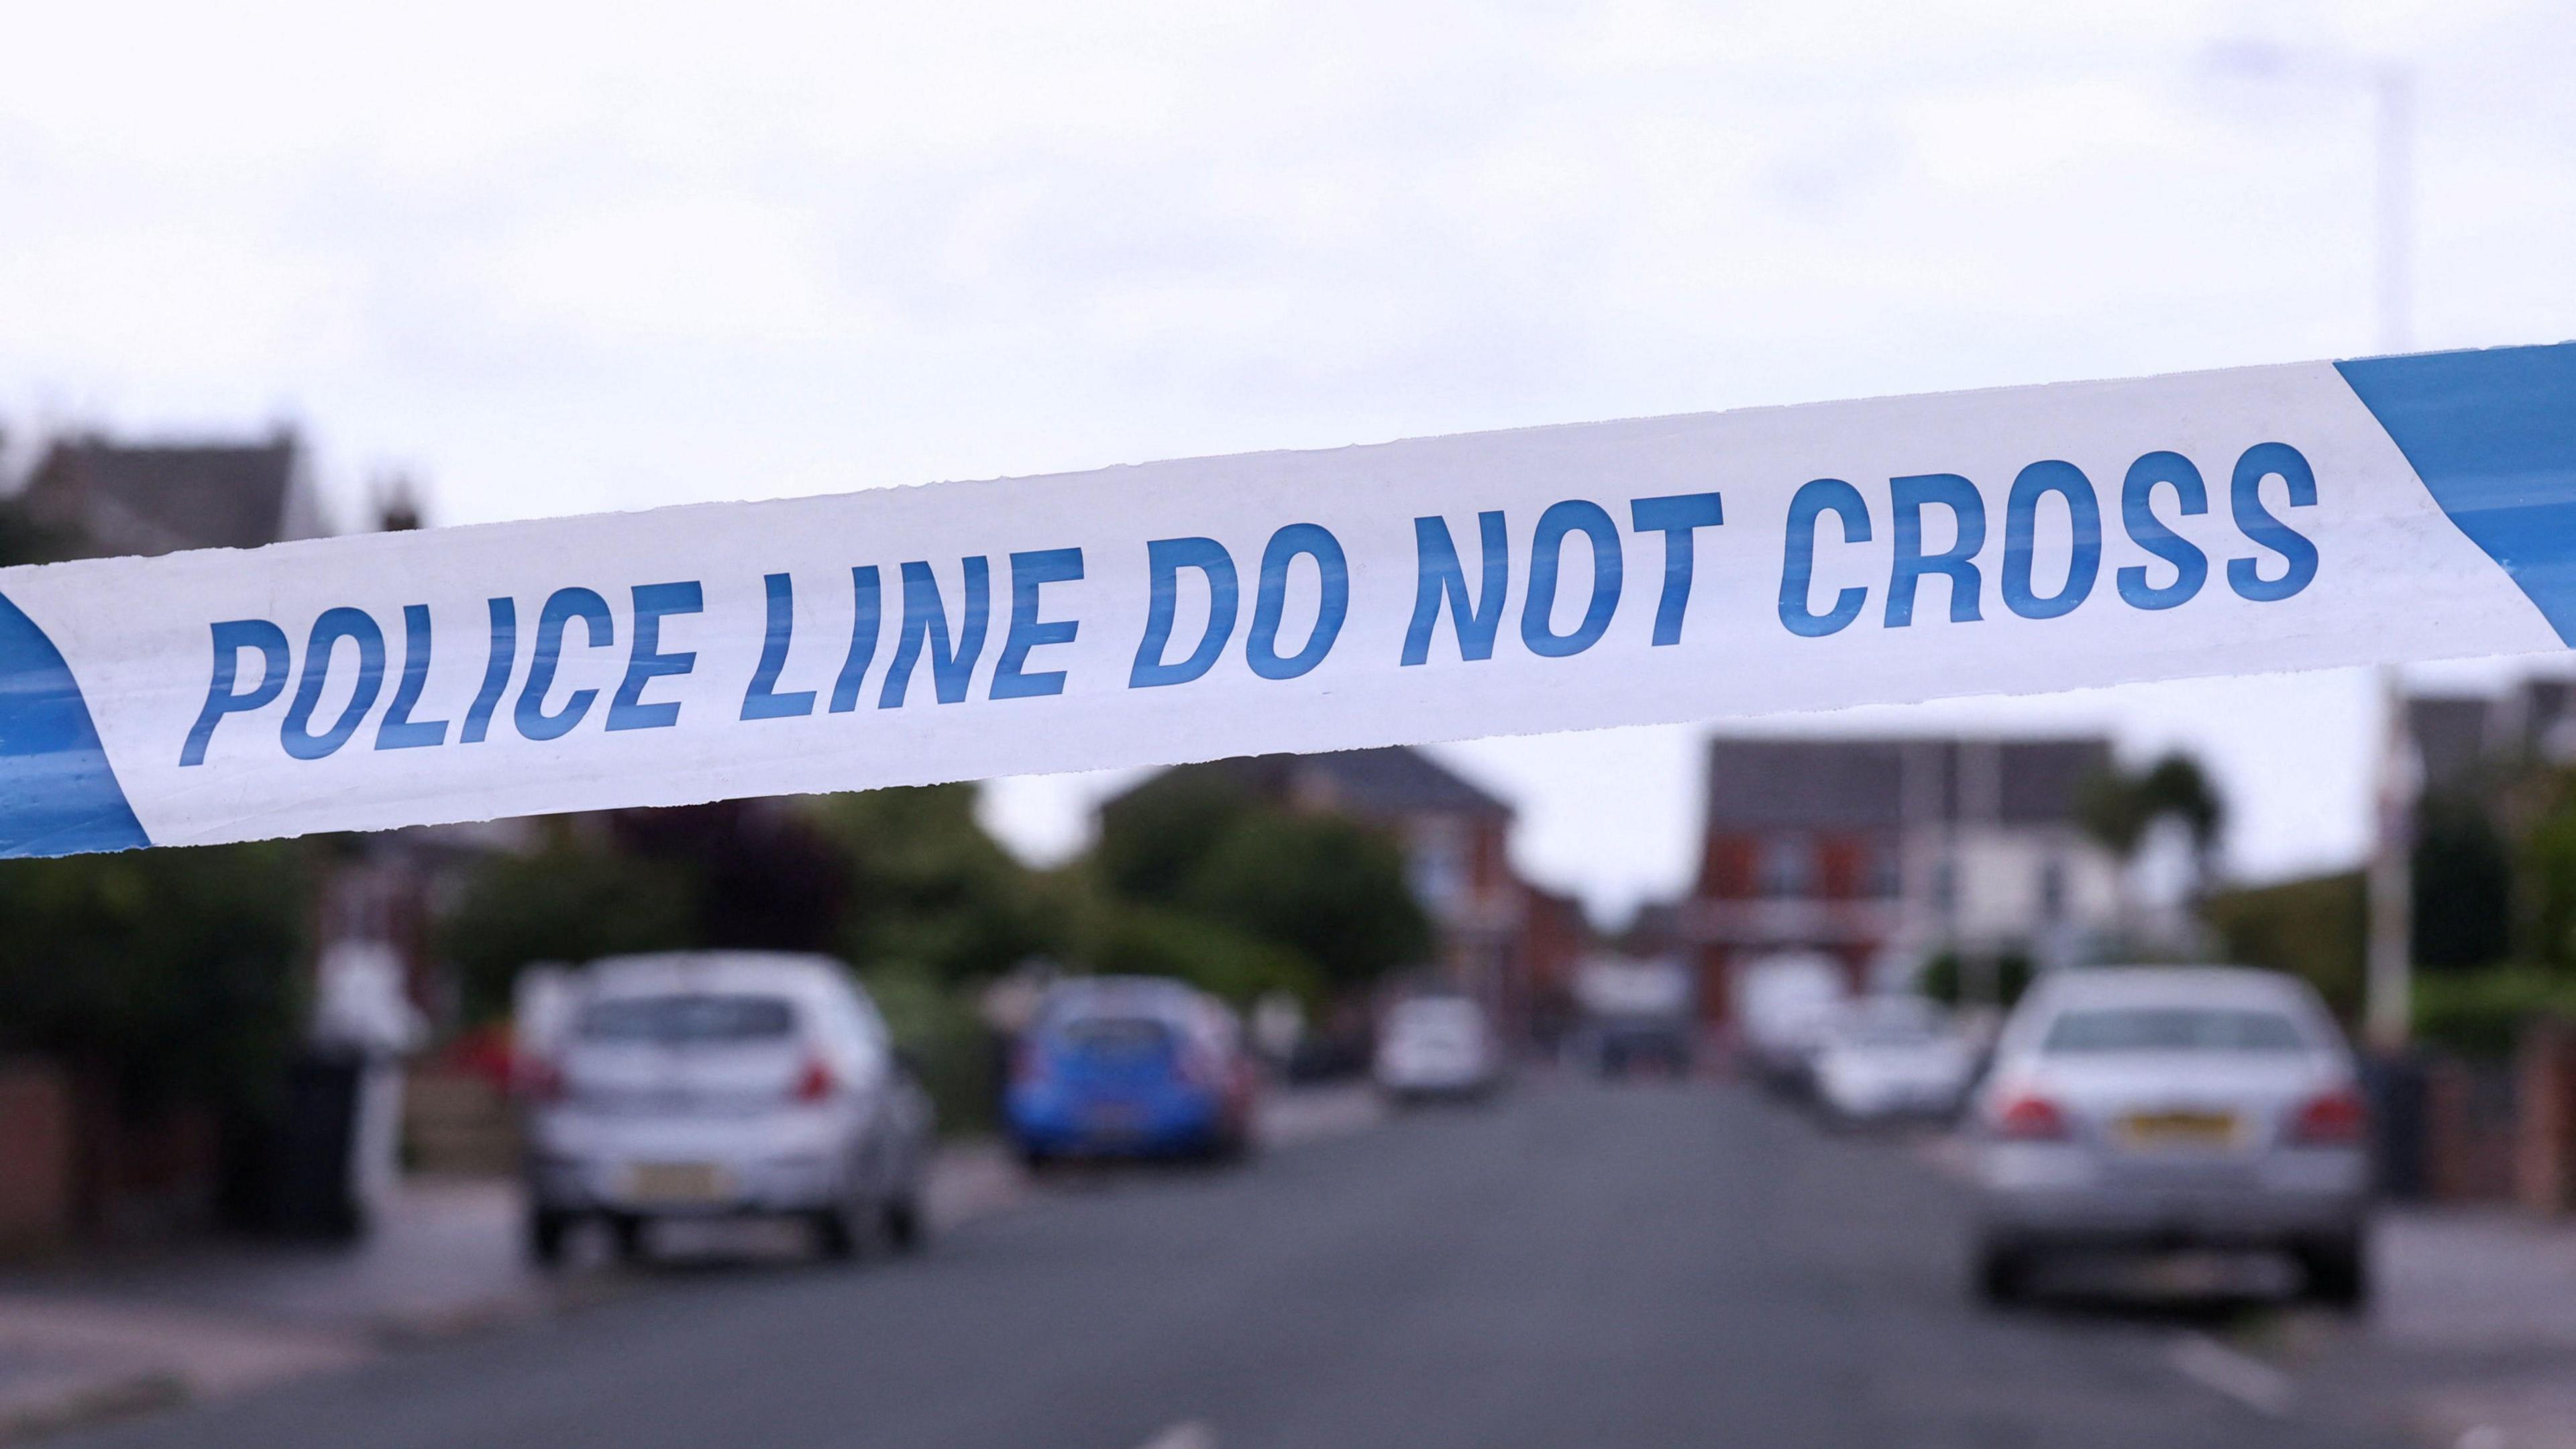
1883, 852
127, 498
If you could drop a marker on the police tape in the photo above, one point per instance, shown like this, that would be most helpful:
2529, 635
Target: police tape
1645, 571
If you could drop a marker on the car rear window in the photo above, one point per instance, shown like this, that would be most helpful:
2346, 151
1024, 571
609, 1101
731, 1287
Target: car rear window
2173, 1029
691, 1019
1114, 1035
1437, 1016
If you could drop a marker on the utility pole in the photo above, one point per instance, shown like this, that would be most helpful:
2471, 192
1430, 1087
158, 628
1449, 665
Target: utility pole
2388, 1018
2388, 1013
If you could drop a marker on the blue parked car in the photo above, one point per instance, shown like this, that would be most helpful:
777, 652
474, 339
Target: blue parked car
1127, 1066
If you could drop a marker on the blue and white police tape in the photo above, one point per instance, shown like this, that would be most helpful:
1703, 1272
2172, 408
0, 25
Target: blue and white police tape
1653, 570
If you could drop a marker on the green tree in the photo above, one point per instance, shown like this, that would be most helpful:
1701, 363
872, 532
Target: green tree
576, 899
2119, 807
928, 885
2311, 928
2463, 886
2546, 878
1128, 939
1153, 838
1192, 844
1330, 889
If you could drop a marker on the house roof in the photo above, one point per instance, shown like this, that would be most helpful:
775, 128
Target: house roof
162, 498
1392, 780
1885, 783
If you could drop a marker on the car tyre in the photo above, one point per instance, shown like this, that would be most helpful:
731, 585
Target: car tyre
838, 1231
2337, 1271
547, 1228
905, 1230
626, 1236
2003, 1273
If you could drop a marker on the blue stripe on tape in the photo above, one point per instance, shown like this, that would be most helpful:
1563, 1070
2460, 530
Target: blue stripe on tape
57, 794
2493, 436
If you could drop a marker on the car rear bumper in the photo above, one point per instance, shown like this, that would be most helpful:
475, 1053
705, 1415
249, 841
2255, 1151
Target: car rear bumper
697, 1188
2045, 1194
1415, 1079
1069, 1125
786, 1162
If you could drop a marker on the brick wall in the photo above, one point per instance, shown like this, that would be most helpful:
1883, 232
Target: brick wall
37, 1184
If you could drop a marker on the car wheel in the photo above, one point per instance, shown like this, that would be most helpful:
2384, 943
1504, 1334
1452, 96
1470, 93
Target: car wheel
626, 1235
904, 1229
838, 1230
2337, 1271
2003, 1273
546, 1230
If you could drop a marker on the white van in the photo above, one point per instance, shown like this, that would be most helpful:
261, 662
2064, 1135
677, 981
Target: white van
1783, 1006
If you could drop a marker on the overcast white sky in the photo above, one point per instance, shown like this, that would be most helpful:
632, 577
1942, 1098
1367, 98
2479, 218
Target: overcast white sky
554, 259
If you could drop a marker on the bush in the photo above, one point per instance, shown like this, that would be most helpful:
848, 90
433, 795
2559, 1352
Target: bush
1945, 977
936, 1026
2483, 1013
173, 971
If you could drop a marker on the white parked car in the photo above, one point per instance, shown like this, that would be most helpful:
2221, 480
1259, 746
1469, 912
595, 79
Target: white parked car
2143, 1107
1436, 1046
1891, 1057
722, 1084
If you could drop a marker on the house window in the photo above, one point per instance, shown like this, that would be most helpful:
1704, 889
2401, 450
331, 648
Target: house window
1883, 871
1438, 865
2052, 889
1788, 867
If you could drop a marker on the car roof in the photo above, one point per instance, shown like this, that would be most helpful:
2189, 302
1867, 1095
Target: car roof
781, 972
1456, 1007
1095, 994
2178, 985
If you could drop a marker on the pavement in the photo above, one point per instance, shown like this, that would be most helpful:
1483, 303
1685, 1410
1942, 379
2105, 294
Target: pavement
94, 1340
1570, 1265
2473, 1343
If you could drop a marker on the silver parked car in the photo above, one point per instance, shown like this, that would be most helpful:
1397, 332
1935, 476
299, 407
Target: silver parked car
1886, 1058
2145, 1107
722, 1084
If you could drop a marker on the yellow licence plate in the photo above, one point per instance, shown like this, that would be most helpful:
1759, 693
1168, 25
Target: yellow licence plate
2179, 1129
677, 1182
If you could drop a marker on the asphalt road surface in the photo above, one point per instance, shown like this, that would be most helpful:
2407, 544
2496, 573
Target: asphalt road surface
1571, 1267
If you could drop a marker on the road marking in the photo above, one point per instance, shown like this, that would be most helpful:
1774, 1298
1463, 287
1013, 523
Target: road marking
1187, 1434
2251, 1382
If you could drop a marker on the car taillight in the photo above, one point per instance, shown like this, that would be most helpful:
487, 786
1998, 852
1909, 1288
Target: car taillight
539, 1080
2027, 1118
814, 1082
1199, 1069
2337, 1119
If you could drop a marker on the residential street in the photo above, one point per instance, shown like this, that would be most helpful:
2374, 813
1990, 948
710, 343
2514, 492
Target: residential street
1570, 1266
